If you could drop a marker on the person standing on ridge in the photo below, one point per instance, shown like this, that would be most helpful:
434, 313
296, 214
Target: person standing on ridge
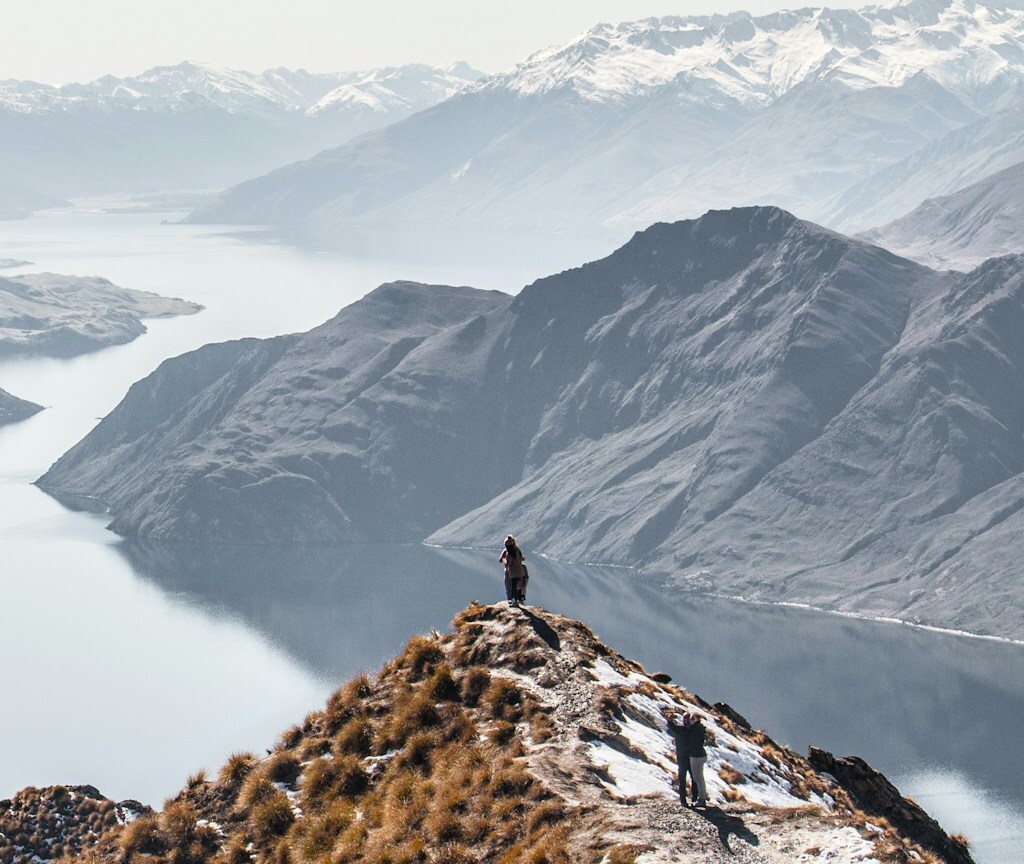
690, 755
515, 571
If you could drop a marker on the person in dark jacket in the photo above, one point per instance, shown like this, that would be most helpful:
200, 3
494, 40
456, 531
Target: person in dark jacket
515, 571
690, 738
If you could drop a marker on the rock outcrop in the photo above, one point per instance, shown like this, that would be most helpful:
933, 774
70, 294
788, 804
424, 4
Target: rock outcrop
61, 316
875, 795
744, 404
518, 736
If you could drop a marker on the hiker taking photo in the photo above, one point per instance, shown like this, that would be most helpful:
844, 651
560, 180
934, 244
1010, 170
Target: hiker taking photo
690, 738
516, 574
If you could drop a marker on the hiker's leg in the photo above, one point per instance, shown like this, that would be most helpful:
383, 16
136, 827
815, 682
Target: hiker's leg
697, 770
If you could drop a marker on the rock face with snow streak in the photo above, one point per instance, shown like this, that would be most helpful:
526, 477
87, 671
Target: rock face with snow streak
192, 126
961, 230
13, 409
61, 316
745, 403
514, 710
665, 118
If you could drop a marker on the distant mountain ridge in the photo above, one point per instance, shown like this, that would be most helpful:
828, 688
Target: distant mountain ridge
667, 117
192, 126
745, 404
188, 86
981, 221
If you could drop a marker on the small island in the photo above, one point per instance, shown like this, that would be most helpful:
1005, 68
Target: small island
62, 316
9, 263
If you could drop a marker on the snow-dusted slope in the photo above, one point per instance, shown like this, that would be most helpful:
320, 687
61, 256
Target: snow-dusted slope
961, 230
746, 402
665, 117
192, 126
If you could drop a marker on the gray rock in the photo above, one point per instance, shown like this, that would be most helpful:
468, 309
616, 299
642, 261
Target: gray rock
61, 316
744, 404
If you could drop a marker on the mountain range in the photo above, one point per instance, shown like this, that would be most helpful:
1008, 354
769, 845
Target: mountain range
744, 404
666, 117
192, 126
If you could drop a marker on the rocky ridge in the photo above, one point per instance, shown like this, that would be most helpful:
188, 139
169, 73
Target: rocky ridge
518, 736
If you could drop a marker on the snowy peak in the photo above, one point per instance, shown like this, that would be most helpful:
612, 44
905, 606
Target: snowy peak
967, 47
192, 85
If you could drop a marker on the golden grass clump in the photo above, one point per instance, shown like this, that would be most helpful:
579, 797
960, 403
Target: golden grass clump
196, 780
289, 739
283, 767
178, 823
441, 685
344, 703
318, 833
422, 654
473, 684
256, 789
355, 737
271, 818
235, 851
233, 772
503, 699
501, 732
142, 836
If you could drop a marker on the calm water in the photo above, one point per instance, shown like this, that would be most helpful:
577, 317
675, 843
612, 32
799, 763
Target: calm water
129, 667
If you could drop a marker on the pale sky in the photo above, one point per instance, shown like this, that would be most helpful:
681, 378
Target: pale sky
56, 41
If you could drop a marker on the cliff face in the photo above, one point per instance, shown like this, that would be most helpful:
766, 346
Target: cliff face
518, 736
745, 403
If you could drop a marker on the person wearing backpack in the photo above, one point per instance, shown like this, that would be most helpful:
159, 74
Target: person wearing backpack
515, 571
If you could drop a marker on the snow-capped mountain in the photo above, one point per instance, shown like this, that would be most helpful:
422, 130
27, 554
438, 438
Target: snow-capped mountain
666, 117
192, 125
188, 86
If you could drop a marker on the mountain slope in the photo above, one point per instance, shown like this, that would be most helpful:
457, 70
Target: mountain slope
13, 409
663, 118
981, 221
746, 403
517, 737
947, 164
192, 126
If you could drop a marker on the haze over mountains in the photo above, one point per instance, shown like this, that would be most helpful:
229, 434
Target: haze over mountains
665, 118
746, 403
961, 230
191, 126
